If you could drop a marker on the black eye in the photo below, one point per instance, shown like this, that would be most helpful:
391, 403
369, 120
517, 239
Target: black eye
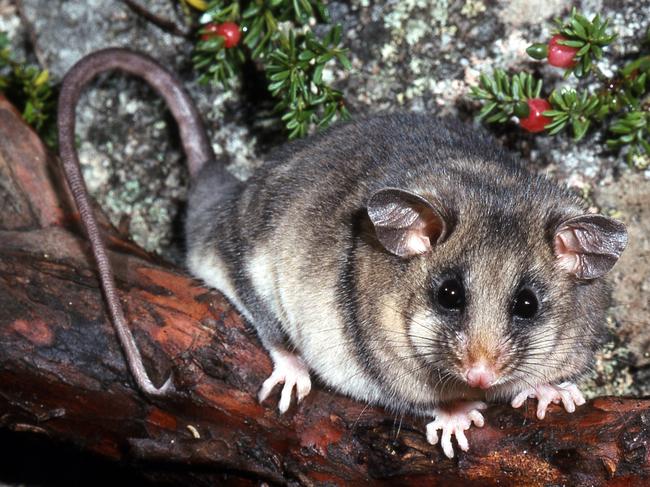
451, 295
525, 304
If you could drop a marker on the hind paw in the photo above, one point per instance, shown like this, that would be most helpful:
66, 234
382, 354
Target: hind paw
288, 369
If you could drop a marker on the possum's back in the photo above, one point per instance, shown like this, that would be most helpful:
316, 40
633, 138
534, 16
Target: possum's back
313, 189
302, 204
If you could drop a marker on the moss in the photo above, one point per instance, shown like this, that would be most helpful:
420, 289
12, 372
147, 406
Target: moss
473, 8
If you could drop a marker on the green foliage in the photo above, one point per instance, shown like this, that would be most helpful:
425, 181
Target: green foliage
633, 130
277, 36
588, 36
505, 96
28, 88
577, 110
621, 102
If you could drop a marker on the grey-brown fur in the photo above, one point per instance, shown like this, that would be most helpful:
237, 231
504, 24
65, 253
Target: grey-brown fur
323, 284
406, 260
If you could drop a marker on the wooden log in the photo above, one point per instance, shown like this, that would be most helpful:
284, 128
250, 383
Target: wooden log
62, 374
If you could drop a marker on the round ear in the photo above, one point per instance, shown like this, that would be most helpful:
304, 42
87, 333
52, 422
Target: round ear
405, 223
588, 246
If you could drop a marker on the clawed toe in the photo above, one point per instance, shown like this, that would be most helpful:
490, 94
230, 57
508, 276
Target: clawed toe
566, 393
290, 370
454, 420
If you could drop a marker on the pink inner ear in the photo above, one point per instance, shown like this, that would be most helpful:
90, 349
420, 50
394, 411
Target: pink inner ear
567, 248
417, 242
405, 223
425, 231
588, 246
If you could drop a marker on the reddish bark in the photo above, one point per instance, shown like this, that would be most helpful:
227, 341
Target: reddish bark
62, 373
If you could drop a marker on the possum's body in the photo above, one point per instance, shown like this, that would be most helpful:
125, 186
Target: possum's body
407, 260
293, 250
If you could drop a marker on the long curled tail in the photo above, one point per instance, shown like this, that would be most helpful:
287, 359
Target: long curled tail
195, 143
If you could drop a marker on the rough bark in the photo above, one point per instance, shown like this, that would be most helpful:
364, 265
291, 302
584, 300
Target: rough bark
62, 374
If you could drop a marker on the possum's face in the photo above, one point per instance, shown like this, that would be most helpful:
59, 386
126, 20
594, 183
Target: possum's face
478, 308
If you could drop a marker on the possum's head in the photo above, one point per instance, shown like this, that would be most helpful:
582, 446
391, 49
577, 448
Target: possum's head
482, 294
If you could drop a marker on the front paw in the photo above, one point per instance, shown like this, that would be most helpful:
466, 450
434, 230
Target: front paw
288, 369
567, 393
454, 419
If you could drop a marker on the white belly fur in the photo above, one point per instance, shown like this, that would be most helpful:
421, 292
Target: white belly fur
306, 307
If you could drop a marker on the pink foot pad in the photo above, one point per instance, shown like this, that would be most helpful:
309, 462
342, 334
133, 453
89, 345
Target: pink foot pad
567, 393
454, 419
290, 370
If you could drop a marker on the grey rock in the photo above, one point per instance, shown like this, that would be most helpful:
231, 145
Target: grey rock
132, 162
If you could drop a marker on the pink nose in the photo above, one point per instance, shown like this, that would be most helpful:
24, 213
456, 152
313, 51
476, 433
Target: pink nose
480, 376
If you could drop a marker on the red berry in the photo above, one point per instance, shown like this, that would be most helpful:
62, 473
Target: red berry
228, 30
535, 121
559, 55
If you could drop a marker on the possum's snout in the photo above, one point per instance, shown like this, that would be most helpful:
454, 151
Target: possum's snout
480, 375
481, 360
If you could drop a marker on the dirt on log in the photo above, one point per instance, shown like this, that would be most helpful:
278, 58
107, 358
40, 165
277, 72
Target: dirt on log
62, 374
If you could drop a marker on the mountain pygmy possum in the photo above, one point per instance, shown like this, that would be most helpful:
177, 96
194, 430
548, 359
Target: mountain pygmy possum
406, 260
